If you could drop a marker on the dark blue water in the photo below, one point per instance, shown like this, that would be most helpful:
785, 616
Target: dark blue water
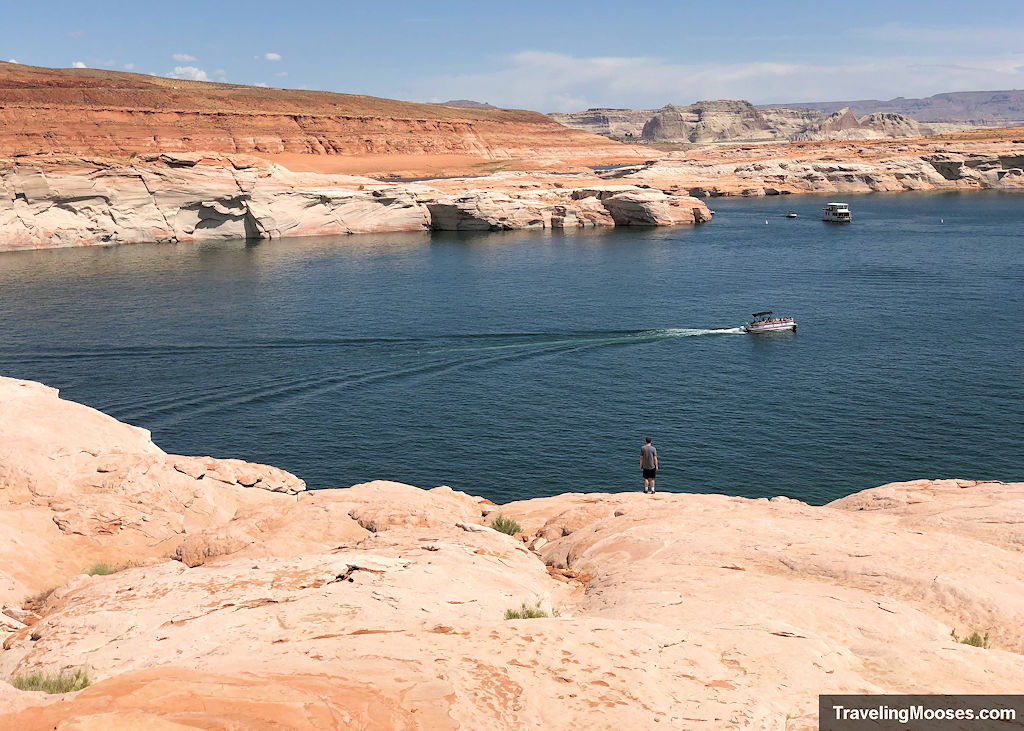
523, 364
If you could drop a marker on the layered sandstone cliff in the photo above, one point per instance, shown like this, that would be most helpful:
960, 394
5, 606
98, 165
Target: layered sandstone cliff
246, 602
89, 112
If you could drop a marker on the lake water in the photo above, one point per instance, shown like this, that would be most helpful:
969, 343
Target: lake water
522, 364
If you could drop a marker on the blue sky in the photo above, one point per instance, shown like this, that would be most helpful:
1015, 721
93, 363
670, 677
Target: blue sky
548, 56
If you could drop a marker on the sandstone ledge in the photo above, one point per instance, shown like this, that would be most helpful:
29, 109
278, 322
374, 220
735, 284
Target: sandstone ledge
381, 605
51, 202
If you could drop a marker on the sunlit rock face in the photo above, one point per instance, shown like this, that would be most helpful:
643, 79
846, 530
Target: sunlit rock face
237, 598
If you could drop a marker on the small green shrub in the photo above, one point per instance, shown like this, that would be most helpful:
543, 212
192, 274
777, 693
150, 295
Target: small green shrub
103, 568
66, 681
525, 612
973, 639
506, 525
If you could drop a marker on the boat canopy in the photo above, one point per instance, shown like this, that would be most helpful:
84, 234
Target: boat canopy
758, 314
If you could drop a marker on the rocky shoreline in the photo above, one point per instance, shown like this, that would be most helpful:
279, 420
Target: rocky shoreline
50, 202
239, 599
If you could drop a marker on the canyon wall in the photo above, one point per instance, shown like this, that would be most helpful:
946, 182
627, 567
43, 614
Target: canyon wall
90, 112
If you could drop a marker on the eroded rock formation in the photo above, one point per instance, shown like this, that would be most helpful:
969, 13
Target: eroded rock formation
382, 605
990, 161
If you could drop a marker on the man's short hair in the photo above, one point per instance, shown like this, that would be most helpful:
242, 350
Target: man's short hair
647, 439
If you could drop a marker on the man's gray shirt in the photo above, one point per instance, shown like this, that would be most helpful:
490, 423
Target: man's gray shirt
647, 455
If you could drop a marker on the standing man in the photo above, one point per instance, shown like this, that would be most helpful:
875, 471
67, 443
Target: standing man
649, 464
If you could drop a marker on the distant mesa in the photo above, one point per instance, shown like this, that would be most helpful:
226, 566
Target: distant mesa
466, 103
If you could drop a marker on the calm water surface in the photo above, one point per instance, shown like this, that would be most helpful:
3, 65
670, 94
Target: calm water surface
522, 364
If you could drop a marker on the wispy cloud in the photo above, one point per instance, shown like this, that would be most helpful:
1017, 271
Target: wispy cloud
78, 65
281, 74
961, 37
129, 67
260, 84
183, 57
272, 56
190, 73
11, 60
559, 82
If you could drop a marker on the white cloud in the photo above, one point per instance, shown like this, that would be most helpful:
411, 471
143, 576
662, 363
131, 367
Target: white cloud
11, 60
78, 65
260, 84
272, 56
183, 57
559, 82
220, 75
129, 67
281, 74
189, 72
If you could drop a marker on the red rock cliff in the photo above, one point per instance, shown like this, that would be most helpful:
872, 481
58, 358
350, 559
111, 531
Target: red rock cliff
90, 112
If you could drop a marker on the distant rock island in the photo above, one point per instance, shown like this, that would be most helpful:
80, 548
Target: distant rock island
726, 120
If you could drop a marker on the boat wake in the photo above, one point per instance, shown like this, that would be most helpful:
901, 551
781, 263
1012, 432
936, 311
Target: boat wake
691, 332
344, 364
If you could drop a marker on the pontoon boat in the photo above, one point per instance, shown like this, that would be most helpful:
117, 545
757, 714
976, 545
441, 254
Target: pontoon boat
765, 322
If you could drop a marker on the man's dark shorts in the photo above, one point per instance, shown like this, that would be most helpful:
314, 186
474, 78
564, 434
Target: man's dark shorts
650, 474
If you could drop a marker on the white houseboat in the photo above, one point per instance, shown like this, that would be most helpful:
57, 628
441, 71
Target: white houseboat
836, 212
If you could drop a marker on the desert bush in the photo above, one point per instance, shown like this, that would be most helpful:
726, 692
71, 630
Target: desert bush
973, 639
66, 681
103, 568
506, 525
525, 612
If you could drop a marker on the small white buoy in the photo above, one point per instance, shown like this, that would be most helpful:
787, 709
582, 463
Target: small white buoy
766, 222
941, 221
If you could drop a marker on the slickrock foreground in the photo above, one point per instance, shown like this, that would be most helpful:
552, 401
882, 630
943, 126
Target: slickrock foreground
247, 602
